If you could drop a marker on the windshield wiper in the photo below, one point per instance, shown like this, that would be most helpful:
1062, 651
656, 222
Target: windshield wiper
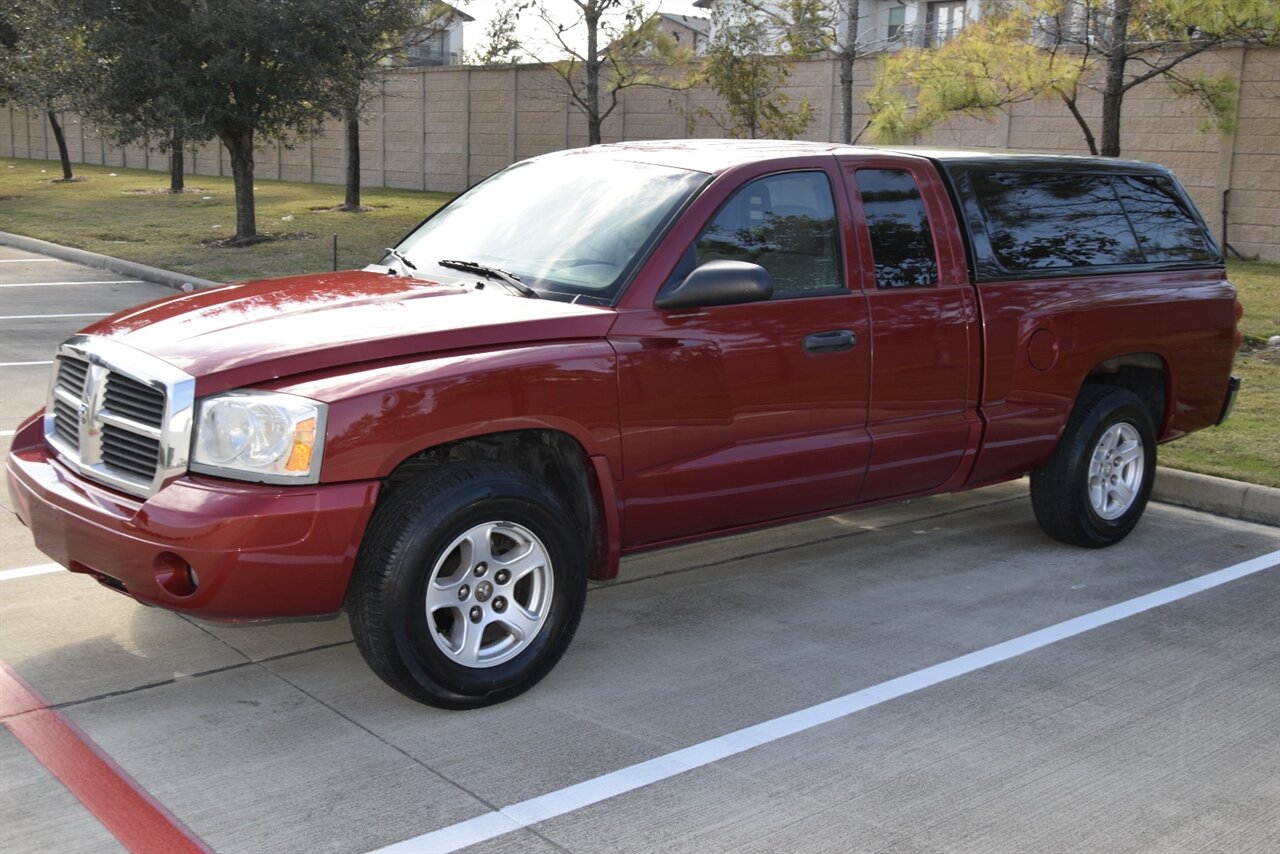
507, 278
405, 264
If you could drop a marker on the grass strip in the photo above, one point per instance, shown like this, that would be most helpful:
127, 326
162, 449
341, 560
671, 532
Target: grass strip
125, 213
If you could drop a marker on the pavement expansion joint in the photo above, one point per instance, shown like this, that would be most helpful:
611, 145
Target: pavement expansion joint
296, 652
355, 723
137, 689
216, 638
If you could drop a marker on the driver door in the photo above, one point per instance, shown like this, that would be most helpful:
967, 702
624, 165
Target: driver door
740, 414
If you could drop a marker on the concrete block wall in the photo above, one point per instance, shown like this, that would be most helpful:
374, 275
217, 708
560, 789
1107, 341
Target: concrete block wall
492, 127
446, 111
1254, 179
448, 128
542, 119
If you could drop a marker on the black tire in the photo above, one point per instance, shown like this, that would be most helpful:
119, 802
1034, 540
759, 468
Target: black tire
1060, 492
426, 527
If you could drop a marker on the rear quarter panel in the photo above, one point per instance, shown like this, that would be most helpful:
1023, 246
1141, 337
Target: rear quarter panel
1185, 318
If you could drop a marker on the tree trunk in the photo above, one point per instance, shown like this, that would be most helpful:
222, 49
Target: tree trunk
1113, 89
240, 147
593, 128
352, 201
846, 96
847, 55
1070, 101
176, 164
592, 66
67, 175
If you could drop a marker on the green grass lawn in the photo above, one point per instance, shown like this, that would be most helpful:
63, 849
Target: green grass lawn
1247, 446
1259, 285
114, 213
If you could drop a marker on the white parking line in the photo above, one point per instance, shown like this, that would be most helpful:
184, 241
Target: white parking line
46, 316
525, 813
4, 434
22, 364
60, 284
27, 571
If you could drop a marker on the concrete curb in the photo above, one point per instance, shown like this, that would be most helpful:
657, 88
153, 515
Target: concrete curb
1218, 495
133, 269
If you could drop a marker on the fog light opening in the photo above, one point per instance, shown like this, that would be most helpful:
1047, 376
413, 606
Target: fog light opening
175, 576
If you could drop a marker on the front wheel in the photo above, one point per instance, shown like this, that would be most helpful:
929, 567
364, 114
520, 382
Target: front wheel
1095, 487
469, 585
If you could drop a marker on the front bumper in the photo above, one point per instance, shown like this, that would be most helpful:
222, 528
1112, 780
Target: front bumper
255, 551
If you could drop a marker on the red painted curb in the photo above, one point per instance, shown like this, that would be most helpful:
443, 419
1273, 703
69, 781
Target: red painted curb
135, 818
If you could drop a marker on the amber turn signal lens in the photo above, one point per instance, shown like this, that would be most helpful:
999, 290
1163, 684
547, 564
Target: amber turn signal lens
304, 439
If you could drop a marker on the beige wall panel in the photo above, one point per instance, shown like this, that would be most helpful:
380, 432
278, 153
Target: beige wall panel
447, 128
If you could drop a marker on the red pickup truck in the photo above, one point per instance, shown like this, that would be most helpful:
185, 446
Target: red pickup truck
606, 350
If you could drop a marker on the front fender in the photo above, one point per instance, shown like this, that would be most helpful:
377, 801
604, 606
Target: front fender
381, 415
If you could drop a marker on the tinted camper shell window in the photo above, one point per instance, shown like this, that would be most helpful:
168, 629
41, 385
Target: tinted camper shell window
1049, 217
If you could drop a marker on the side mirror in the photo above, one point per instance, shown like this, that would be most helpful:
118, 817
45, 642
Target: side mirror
719, 283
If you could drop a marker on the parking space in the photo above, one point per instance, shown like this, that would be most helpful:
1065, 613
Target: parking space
43, 301
1154, 731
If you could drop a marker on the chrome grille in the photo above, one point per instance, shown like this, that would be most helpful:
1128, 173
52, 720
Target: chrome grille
68, 389
64, 423
138, 455
130, 399
72, 374
118, 415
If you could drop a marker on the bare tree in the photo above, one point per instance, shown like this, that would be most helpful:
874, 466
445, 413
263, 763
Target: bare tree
623, 49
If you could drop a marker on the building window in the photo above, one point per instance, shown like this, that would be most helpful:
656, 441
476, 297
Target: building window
944, 21
429, 52
897, 20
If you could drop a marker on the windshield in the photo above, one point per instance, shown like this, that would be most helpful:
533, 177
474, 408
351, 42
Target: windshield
570, 225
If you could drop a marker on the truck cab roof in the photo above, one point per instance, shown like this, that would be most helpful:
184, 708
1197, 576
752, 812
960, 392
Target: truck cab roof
718, 155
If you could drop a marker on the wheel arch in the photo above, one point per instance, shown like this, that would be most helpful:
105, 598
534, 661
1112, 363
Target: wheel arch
1147, 375
554, 457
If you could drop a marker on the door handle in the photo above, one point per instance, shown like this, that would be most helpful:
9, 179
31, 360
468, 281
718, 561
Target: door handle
832, 341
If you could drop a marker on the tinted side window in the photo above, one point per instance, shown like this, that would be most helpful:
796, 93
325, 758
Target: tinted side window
901, 242
1039, 221
786, 224
1166, 229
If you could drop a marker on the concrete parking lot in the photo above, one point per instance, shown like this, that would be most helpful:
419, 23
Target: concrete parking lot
877, 681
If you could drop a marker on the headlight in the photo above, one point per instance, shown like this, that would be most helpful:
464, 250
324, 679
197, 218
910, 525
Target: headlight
258, 435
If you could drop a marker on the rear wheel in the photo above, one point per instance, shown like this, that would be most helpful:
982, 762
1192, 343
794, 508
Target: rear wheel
469, 585
1095, 487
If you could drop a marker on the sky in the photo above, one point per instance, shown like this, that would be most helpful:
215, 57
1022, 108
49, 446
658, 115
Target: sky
533, 32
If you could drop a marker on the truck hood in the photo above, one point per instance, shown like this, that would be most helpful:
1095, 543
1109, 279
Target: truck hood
271, 328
